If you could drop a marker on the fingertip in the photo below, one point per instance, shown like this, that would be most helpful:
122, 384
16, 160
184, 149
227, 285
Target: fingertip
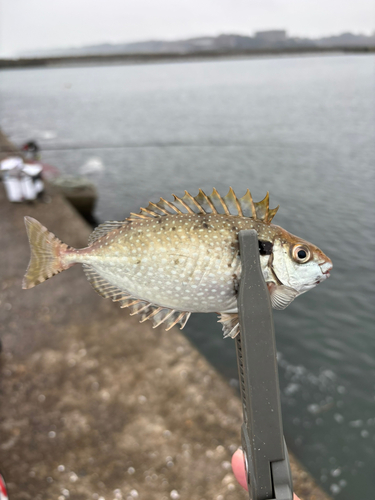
238, 466
239, 471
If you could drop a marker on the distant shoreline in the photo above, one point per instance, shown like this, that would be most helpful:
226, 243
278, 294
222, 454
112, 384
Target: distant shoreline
146, 58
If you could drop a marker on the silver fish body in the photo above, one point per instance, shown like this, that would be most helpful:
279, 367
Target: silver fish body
176, 258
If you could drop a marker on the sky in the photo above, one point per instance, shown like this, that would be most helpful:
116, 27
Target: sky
26, 25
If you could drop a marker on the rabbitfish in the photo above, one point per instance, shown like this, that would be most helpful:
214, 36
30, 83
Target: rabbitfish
175, 258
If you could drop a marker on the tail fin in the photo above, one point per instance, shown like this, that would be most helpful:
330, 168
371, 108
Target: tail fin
46, 249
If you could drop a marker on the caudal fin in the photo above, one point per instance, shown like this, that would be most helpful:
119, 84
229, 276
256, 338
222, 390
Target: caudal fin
46, 254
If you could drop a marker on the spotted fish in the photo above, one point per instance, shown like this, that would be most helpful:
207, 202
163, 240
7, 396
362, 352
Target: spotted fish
175, 258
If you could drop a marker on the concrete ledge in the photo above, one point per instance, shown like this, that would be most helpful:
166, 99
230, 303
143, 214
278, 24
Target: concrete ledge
94, 405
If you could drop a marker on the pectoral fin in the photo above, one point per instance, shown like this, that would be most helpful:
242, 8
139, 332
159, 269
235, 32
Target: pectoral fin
281, 295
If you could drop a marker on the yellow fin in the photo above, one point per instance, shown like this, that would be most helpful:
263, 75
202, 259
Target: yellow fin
218, 202
233, 204
212, 204
271, 213
183, 204
262, 208
247, 205
46, 250
205, 202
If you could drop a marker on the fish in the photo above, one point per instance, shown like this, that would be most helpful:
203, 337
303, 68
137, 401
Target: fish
177, 257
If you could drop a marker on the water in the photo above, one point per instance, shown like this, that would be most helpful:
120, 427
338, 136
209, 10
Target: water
302, 128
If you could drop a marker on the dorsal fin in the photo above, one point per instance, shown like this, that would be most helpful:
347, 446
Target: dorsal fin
211, 204
232, 203
262, 208
219, 203
271, 214
248, 207
204, 201
104, 229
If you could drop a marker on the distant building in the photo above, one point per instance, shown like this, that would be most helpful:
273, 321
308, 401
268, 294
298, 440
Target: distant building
271, 36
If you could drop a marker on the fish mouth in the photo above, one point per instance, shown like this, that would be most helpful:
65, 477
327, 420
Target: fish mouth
322, 278
325, 269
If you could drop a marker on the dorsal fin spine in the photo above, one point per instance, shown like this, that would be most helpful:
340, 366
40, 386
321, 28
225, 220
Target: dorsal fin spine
209, 202
271, 213
254, 212
267, 203
221, 201
238, 205
140, 216
190, 211
262, 208
196, 203
149, 212
203, 204
159, 208
170, 205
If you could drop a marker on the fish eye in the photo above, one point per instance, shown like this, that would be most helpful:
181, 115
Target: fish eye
301, 254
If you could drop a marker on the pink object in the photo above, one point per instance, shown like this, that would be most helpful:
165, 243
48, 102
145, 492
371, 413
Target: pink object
3, 490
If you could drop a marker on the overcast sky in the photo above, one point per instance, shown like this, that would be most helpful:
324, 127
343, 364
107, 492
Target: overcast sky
43, 24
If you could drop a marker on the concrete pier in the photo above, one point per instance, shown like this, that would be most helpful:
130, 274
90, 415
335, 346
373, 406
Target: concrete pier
94, 405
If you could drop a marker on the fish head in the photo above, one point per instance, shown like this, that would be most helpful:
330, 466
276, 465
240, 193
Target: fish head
298, 267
